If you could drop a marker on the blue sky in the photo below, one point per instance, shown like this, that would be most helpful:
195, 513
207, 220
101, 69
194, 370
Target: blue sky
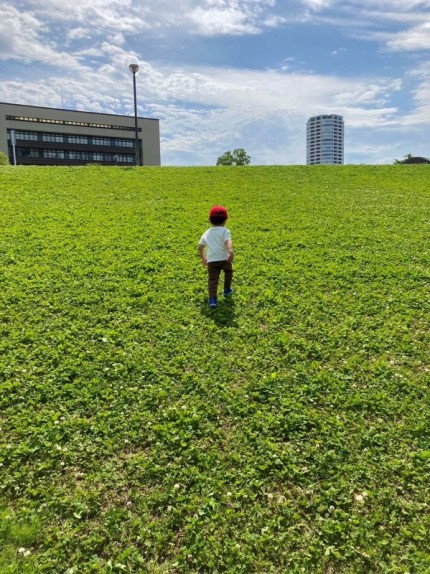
222, 74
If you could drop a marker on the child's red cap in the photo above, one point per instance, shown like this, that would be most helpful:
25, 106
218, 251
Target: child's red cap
218, 210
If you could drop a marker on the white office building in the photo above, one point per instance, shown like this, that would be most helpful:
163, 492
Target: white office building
325, 140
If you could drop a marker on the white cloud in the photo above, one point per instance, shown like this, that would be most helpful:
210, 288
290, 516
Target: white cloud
393, 5
208, 17
372, 21
256, 94
234, 17
416, 38
83, 20
420, 96
24, 38
318, 4
107, 12
222, 21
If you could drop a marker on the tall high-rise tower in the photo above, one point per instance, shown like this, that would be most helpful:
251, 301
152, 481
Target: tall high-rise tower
324, 140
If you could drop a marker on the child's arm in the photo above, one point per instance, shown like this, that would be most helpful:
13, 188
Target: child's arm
229, 246
202, 254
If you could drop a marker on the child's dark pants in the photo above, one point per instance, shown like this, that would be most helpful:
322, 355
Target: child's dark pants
214, 270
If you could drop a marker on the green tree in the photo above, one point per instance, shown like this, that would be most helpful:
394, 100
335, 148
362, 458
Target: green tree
4, 160
235, 157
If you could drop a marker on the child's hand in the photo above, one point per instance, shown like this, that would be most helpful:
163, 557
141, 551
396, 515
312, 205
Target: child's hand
204, 262
230, 257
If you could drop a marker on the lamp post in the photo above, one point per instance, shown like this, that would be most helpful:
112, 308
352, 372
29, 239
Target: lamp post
134, 68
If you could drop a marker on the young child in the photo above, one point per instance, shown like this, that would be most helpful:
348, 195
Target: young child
216, 251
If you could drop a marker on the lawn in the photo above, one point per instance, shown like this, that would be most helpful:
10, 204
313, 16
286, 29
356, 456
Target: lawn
286, 431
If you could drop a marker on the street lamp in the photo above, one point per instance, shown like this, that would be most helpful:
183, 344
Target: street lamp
134, 68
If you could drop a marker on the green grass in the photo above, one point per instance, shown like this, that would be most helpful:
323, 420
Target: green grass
285, 432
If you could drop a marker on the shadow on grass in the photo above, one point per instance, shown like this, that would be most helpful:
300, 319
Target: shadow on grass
223, 315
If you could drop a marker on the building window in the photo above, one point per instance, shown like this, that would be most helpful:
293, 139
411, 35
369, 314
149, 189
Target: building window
121, 158
123, 143
56, 138
22, 135
77, 139
79, 155
102, 141
53, 154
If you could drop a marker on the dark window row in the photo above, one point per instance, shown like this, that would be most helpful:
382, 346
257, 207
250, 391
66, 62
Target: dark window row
325, 139
326, 119
71, 139
325, 130
73, 155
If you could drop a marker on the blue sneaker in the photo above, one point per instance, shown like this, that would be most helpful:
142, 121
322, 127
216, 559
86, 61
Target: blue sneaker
212, 302
228, 292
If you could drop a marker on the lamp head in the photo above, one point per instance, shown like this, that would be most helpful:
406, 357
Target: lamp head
134, 68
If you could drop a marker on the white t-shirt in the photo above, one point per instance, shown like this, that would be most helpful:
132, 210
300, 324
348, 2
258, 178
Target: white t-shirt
214, 239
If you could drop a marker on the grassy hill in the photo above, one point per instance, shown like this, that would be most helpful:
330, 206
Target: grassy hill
287, 431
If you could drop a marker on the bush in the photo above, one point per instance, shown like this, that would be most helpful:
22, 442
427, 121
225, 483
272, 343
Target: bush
4, 160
